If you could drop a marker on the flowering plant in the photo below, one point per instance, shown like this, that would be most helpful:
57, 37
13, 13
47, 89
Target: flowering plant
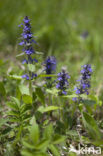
44, 120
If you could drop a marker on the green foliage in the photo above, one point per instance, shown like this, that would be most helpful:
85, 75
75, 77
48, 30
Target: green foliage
40, 95
47, 109
15, 77
19, 116
34, 132
35, 120
41, 145
91, 126
2, 89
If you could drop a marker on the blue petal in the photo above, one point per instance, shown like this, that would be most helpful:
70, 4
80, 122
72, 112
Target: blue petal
24, 61
25, 76
21, 43
58, 85
74, 98
64, 92
35, 60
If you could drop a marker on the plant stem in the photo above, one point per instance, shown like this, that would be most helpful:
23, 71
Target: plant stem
30, 87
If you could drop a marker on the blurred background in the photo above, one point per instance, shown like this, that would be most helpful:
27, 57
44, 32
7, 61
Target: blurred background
71, 30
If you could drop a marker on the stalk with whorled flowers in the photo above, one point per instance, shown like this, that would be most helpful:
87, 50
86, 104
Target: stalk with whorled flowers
27, 41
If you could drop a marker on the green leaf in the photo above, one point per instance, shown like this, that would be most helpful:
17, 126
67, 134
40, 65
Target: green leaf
89, 102
51, 108
33, 120
70, 96
46, 75
74, 95
2, 89
25, 108
21, 54
24, 90
29, 153
40, 95
39, 52
98, 142
28, 145
27, 99
42, 145
57, 139
96, 99
34, 132
31, 67
16, 77
48, 131
15, 100
90, 105
72, 133
26, 153
54, 150
43, 109
12, 105
18, 93
91, 126
13, 113
3, 121
18, 135
14, 119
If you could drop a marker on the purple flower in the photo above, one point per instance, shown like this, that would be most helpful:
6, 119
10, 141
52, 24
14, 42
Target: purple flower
49, 68
21, 43
29, 50
62, 82
24, 61
64, 92
74, 99
27, 43
50, 65
27, 37
33, 76
25, 76
84, 82
26, 20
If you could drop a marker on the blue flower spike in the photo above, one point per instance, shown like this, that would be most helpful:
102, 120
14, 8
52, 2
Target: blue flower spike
49, 68
62, 82
50, 65
27, 42
84, 82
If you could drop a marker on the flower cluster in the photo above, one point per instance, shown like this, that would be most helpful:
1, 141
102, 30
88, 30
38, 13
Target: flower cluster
50, 68
84, 82
62, 82
27, 41
50, 65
